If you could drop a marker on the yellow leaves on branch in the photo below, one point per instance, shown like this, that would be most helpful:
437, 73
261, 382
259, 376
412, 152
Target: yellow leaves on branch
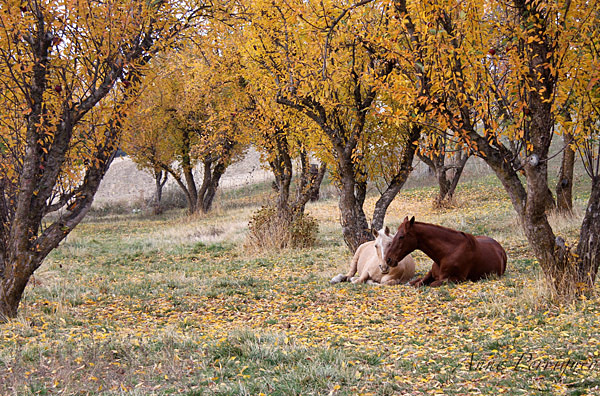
87, 42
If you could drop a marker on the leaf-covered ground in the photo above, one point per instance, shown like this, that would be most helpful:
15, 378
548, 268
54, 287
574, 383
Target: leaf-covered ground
133, 305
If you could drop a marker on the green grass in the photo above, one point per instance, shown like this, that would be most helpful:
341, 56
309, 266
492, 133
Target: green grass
172, 305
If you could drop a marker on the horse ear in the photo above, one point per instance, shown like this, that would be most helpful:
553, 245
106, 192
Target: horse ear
375, 232
387, 230
412, 221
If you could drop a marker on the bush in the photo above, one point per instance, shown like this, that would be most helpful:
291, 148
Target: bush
304, 231
269, 229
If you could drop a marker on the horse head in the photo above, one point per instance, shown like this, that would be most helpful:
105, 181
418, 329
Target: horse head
382, 243
402, 243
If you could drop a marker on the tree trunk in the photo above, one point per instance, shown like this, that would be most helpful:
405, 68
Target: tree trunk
447, 175
530, 204
185, 178
355, 227
191, 194
160, 178
398, 180
188, 172
16, 276
282, 168
457, 169
311, 176
209, 193
190, 198
34, 192
316, 177
310, 189
564, 186
537, 228
344, 132
24, 250
588, 249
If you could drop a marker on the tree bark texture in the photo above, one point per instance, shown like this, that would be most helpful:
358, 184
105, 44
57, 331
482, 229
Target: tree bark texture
311, 177
24, 244
564, 186
308, 182
210, 183
282, 168
588, 248
355, 228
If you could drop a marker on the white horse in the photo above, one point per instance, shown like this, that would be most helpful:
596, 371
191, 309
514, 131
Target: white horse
368, 263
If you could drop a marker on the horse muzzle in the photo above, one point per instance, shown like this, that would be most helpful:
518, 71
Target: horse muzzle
391, 262
384, 269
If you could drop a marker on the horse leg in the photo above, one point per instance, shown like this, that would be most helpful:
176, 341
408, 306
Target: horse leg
339, 278
438, 282
417, 282
427, 279
391, 282
354, 264
362, 279
450, 274
448, 278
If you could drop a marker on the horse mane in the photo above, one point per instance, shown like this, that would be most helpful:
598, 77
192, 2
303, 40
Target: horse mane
470, 237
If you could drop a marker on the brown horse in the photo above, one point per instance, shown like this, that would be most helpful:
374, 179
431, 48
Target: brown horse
457, 256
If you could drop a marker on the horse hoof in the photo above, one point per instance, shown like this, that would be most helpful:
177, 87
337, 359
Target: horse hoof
337, 279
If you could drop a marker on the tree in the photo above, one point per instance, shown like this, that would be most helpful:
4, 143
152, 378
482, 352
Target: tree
190, 114
148, 150
564, 185
586, 137
321, 68
282, 138
500, 70
445, 163
67, 74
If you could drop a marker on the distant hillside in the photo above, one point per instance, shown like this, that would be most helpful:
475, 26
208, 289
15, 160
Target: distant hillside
124, 183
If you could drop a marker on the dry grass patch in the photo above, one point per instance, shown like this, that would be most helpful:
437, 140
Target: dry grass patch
149, 306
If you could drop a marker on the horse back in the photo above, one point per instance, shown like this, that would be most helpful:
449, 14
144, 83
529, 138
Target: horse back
491, 256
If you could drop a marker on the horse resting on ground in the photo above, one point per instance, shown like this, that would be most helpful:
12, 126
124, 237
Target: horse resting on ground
368, 262
457, 256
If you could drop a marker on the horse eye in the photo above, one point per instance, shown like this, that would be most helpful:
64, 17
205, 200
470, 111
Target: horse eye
388, 261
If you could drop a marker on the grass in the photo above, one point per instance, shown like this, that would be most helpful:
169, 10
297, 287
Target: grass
174, 305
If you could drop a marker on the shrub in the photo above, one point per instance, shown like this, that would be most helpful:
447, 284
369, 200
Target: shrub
269, 229
304, 230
